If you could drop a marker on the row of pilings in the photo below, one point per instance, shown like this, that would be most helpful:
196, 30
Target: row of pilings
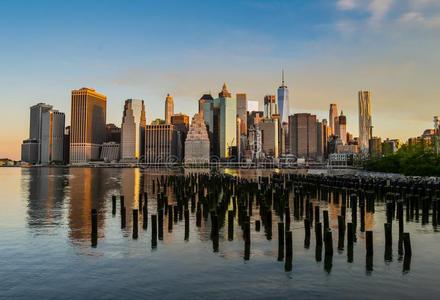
223, 201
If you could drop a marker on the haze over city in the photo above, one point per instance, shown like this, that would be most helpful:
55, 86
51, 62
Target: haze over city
142, 49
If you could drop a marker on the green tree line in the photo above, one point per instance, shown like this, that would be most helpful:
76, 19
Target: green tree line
411, 160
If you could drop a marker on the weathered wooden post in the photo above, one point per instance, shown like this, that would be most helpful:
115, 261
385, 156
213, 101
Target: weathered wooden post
94, 227
113, 205
350, 241
280, 241
186, 213
153, 231
230, 225
289, 252
160, 223
135, 223
307, 233
123, 217
341, 232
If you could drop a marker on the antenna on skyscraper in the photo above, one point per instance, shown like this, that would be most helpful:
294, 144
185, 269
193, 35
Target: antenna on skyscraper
282, 76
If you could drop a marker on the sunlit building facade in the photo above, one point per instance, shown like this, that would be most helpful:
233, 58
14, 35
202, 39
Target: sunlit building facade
303, 137
365, 123
52, 140
283, 101
133, 130
169, 108
161, 144
221, 117
87, 130
333, 114
197, 147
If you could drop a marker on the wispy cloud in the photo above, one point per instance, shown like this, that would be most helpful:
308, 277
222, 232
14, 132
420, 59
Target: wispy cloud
379, 10
347, 4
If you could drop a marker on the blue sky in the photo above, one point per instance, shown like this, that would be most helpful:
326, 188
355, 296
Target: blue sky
146, 49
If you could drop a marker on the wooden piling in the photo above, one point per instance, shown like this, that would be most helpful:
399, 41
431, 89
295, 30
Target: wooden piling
135, 223
153, 231
94, 235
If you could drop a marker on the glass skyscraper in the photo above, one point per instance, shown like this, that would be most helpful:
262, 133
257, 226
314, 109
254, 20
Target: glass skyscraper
283, 102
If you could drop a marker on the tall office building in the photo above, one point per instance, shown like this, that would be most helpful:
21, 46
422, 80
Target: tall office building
221, 117
87, 129
270, 106
269, 137
365, 123
303, 137
320, 140
283, 101
342, 128
35, 126
197, 142
133, 130
242, 112
161, 144
206, 98
169, 109
181, 124
333, 114
52, 140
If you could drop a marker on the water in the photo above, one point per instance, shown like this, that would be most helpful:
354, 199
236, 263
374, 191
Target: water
45, 250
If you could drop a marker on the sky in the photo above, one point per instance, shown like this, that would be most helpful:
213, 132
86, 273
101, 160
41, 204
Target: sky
329, 49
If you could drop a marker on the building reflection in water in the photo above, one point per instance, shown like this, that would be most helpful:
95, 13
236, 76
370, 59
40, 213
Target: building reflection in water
45, 195
89, 188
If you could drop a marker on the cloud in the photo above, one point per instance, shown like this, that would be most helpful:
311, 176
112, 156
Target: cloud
379, 10
420, 19
347, 4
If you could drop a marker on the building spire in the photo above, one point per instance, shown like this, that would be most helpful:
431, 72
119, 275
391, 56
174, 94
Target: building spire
282, 76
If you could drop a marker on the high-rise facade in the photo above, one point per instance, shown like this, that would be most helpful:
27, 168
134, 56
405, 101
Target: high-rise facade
365, 123
269, 137
270, 106
161, 144
197, 142
35, 125
221, 117
342, 128
87, 129
206, 98
242, 112
333, 114
303, 136
133, 130
283, 101
169, 109
52, 140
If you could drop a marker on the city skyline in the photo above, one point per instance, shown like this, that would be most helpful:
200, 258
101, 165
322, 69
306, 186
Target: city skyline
393, 66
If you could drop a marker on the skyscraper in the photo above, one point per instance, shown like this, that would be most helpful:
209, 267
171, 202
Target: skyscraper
221, 117
303, 136
242, 112
333, 113
204, 99
87, 129
181, 124
35, 124
342, 128
269, 137
52, 140
283, 101
365, 123
133, 130
169, 109
270, 106
161, 144
197, 142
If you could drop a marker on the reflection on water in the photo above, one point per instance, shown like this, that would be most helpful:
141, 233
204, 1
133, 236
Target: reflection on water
56, 206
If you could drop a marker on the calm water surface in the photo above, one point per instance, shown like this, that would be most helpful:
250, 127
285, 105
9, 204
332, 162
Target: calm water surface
45, 250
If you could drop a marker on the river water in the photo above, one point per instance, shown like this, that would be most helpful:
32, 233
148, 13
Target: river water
45, 249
